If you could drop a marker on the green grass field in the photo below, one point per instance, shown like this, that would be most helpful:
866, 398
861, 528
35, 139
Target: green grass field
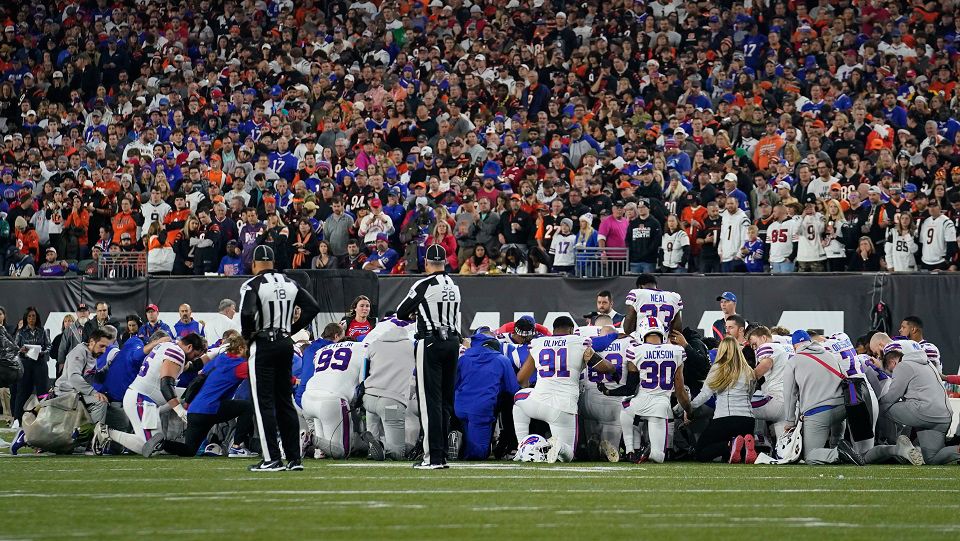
168, 498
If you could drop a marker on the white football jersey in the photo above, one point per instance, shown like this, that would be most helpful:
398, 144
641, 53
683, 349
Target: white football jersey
589, 331
781, 235
900, 248
147, 381
773, 379
907, 347
935, 235
809, 247
933, 354
614, 355
559, 362
785, 340
841, 346
658, 364
338, 368
663, 305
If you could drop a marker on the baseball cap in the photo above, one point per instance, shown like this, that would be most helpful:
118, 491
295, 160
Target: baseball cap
436, 254
727, 296
263, 253
52, 249
800, 336
375, 203
835, 186
382, 236
732, 177
810, 199
152, 308
783, 185
874, 189
82, 307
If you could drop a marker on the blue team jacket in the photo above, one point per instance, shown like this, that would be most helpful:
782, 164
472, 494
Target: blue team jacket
225, 373
482, 374
122, 370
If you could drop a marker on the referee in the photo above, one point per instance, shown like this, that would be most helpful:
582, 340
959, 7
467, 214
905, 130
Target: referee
435, 302
266, 320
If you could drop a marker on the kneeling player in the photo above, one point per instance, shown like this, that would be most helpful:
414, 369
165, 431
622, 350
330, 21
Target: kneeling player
153, 391
558, 361
772, 359
338, 370
654, 371
601, 414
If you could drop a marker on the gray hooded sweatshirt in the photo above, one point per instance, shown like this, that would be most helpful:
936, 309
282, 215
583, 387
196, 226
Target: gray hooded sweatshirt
807, 381
916, 382
391, 360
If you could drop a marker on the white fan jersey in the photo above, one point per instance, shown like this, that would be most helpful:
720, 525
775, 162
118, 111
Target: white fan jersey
338, 368
147, 381
559, 362
657, 364
780, 355
614, 355
663, 305
935, 235
781, 236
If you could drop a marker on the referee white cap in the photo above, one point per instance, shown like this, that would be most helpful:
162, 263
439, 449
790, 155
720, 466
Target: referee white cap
436, 254
263, 253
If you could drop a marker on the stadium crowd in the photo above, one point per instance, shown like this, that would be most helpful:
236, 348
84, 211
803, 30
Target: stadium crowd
735, 137
647, 388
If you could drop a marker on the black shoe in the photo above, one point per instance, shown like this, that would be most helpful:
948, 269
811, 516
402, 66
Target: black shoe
273, 465
152, 446
375, 451
848, 454
295, 465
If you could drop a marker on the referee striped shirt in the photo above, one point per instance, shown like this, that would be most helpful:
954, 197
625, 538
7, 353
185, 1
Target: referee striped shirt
267, 302
435, 301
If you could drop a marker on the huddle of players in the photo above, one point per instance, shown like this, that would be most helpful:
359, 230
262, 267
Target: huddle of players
619, 380
627, 383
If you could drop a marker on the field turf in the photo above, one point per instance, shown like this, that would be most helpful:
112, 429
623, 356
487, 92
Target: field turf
208, 498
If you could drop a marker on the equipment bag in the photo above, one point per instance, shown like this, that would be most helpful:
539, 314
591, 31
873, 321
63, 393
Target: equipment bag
52, 429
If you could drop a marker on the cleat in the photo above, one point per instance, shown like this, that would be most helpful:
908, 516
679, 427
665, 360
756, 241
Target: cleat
241, 452
263, 466
305, 441
454, 441
427, 466
18, 443
101, 439
375, 451
750, 449
736, 449
152, 446
907, 451
611, 452
318, 454
848, 454
295, 465
553, 454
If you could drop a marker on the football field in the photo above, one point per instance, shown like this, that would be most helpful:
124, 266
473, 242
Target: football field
209, 498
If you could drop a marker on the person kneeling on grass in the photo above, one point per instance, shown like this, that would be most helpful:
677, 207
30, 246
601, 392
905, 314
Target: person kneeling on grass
730, 432
212, 404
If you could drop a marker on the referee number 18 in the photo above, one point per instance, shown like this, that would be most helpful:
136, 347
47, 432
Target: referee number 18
281, 293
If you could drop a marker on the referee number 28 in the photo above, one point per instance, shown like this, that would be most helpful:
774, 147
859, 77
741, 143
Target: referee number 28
448, 295
281, 293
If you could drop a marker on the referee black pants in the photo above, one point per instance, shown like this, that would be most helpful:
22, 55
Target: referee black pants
436, 379
271, 367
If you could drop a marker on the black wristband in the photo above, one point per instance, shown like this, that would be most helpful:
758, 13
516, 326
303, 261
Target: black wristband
168, 388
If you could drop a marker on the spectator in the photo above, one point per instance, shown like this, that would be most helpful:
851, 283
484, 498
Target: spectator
708, 238
733, 233
486, 227
643, 236
354, 259
324, 258
902, 244
478, 262
304, 246
865, 258
938, 240
52, 267
441, 235
516, 227
811, 256
383, 258
34, 346
231, 263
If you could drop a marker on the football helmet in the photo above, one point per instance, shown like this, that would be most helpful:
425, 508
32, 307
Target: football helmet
533, 449
650, 325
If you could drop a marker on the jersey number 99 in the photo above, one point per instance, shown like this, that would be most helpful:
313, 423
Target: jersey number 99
334, 359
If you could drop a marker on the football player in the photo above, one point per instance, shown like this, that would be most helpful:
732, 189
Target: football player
912, 327
154, 391
601, 414
558, 361
654, 370
338, 369
772, 358
648, 301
